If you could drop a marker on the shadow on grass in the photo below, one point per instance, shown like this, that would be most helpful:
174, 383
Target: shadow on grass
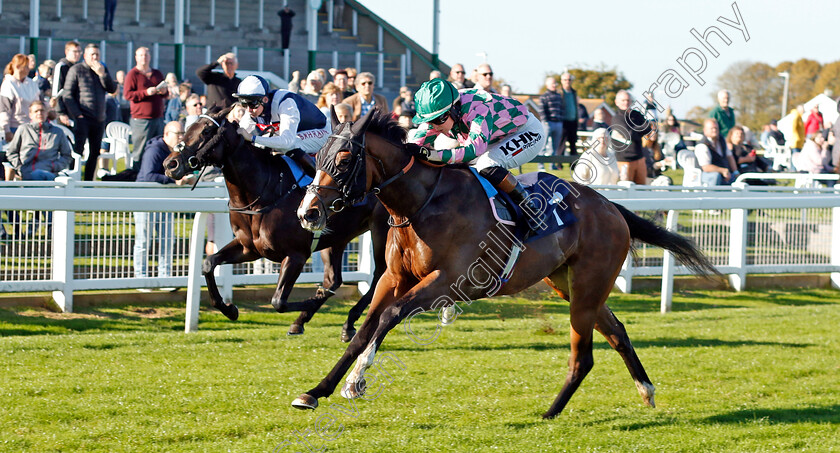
96, 319
483, 347
823, 414
703, 342
651, 305
801, 297
668, 422
561, 342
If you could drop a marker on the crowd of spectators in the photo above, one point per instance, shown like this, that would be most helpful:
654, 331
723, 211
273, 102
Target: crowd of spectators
79, 93
724, 150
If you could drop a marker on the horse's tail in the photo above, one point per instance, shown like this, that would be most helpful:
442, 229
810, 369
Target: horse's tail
683, 249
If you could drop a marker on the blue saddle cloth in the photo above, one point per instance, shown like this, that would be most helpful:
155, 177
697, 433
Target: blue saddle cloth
547, 190
297, 173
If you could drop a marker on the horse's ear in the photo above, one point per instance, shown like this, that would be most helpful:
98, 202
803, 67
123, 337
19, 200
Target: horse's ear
220, 114
359, 127
333, 117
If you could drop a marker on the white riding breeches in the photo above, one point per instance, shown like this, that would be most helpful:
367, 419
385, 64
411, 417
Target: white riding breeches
517, 149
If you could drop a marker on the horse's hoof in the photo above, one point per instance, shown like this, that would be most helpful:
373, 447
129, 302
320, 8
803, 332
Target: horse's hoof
295, 329
347, 334
448, 316
353, 390
229, 310
304, 402
647, 392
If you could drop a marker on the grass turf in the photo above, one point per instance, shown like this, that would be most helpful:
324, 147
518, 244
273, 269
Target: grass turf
751, 371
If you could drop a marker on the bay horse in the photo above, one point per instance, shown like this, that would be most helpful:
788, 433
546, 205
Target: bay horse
441, 220
263, 198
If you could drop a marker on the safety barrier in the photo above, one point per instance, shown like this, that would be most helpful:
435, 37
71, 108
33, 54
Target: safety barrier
75, 235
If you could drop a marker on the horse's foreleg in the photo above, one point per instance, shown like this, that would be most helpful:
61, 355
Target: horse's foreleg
332, 281
231, 253
613, 330
289, 273
385, 293
421, 298
380, 236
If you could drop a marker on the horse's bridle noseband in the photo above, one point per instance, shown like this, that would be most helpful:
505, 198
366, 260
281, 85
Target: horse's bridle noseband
345, 189
349, 177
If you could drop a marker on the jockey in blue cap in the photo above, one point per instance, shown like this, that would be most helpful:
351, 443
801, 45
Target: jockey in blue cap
282, 121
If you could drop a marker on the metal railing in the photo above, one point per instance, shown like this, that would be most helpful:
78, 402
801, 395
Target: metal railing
70, 235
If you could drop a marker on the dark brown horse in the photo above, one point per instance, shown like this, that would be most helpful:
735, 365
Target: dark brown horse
263, 198
440, 252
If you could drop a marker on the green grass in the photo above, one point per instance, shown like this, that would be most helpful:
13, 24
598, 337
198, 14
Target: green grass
735, 372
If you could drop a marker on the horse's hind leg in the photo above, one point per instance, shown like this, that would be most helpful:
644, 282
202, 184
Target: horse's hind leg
613, 330
587, 295
289, 273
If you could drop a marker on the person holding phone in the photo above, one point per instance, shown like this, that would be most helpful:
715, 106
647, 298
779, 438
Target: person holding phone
147, 91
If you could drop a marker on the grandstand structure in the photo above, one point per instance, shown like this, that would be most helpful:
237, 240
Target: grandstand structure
213, 27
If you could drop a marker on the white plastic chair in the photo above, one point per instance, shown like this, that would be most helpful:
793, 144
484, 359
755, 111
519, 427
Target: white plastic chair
669, 141
693, 173
779, 154
76, 171
117, 134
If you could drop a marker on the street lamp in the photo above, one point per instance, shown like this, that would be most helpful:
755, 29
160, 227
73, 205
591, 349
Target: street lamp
786, 76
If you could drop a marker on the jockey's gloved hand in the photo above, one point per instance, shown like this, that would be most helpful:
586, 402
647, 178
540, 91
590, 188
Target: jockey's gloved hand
246, 135
424, 153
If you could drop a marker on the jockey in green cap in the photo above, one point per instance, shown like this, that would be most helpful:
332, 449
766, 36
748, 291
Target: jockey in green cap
495, 133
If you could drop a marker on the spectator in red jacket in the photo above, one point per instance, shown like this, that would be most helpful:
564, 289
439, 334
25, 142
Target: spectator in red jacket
147, 92
815, 121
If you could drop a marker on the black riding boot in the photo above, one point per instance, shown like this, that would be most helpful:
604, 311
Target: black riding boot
534, 216
504, 181
306, 163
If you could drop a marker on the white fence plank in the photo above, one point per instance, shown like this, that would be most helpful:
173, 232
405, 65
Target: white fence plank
819, 224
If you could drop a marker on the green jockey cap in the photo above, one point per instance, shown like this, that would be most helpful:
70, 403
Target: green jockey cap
433, 99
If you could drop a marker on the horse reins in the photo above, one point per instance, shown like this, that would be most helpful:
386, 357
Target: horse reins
407, 221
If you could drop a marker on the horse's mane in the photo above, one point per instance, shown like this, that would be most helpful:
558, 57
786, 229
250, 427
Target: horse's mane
381, 124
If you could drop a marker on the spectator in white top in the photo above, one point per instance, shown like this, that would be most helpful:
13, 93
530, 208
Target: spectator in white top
193, 108
17, 92
597, 165
814, 157
484, 78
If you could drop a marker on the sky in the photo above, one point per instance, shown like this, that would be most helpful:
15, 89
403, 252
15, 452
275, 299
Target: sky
526, 40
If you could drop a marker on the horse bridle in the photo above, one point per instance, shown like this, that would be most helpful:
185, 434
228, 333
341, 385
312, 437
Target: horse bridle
344, 188
194, 162
345, 197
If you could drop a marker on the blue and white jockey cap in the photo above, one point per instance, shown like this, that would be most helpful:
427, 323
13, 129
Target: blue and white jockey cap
252, 88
